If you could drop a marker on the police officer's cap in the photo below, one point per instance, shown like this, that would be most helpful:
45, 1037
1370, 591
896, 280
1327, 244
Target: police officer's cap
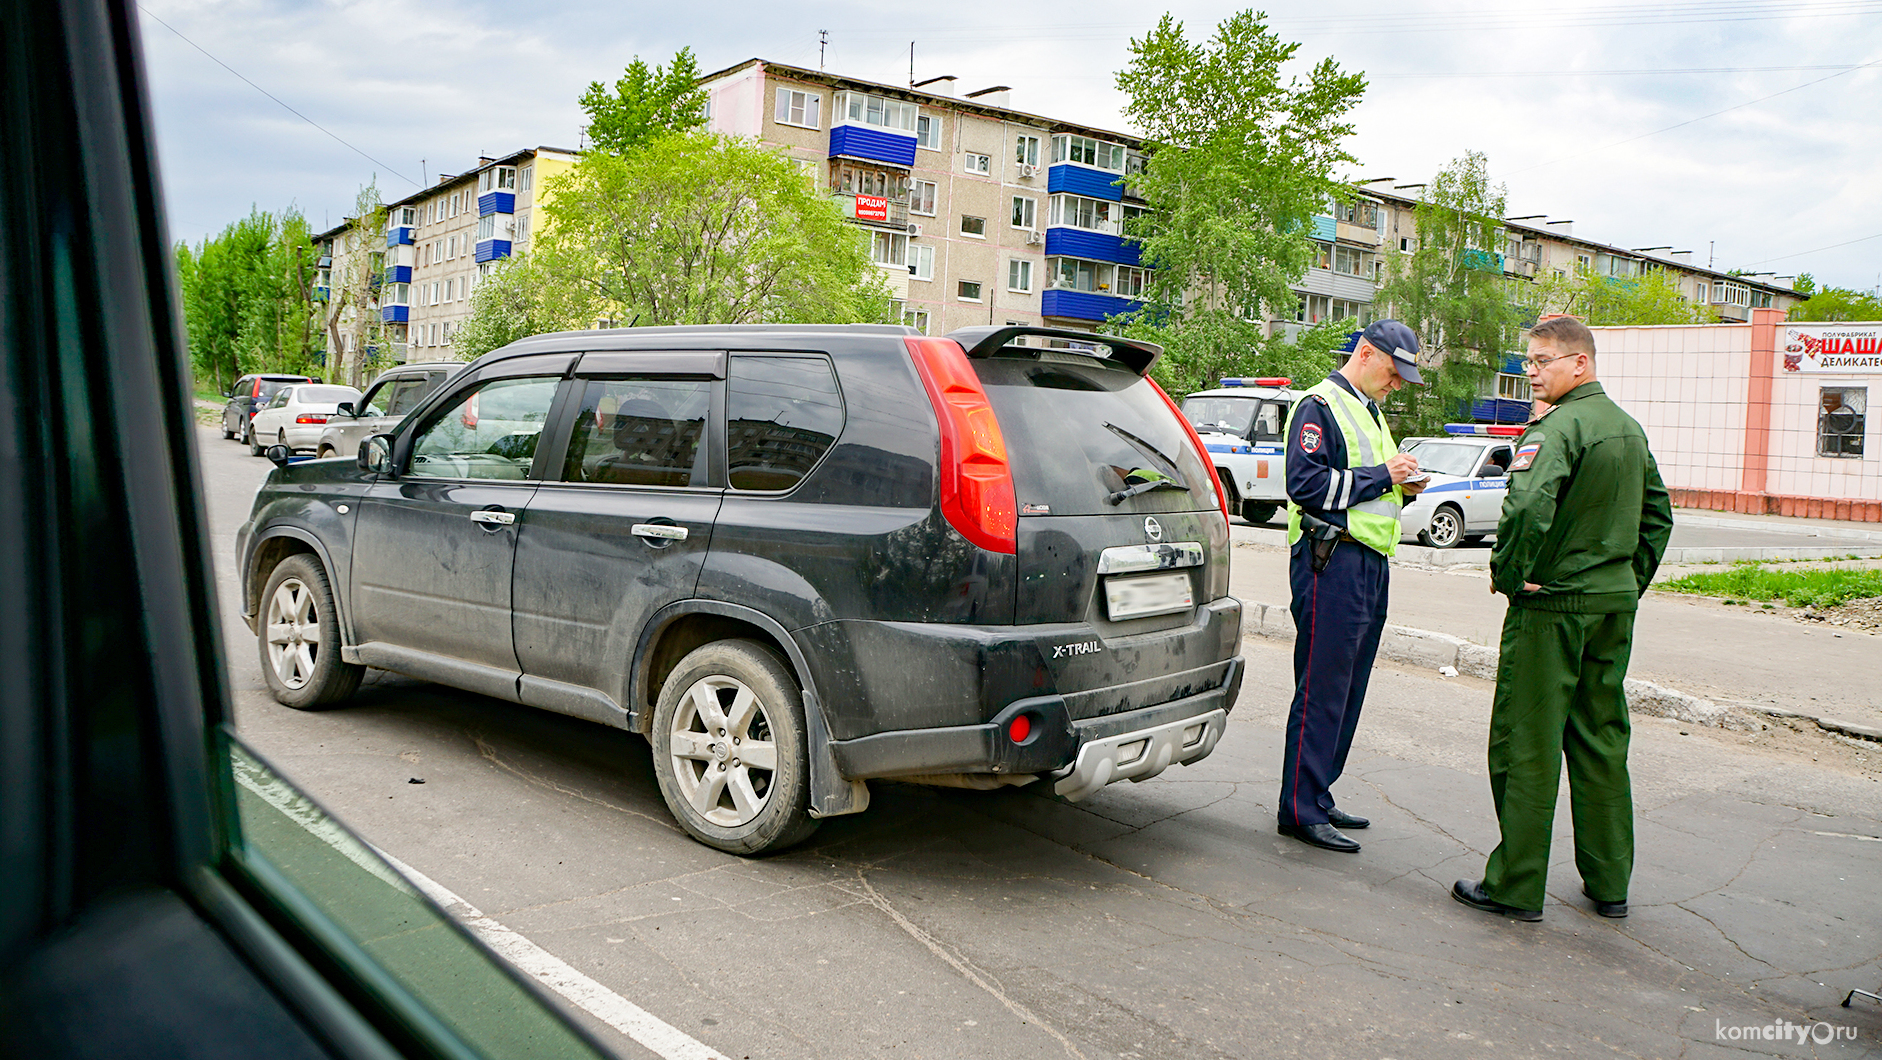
1394, 338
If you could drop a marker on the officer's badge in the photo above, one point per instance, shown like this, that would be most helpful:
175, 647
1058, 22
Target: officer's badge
1526, 454
1310, 437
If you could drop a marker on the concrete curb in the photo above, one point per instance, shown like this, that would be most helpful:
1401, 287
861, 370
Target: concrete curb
1427, 648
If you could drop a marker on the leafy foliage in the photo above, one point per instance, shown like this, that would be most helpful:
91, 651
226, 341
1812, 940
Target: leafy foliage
1838, 303
1240, 162
246, 297
1650, 298
689, 228
350, 315
1452, 292
645, 104
1797, 588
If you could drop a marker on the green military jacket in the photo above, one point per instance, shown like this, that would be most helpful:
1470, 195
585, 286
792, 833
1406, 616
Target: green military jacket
1587, 517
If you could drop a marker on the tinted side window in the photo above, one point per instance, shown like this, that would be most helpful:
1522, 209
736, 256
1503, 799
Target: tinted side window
406, 395
640, 432
490, 433
782, 415
377, 399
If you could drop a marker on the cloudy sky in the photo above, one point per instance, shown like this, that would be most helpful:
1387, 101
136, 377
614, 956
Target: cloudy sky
1746, 131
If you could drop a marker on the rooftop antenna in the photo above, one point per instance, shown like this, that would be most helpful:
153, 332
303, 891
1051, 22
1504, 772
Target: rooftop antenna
911, 64
424, 173
1711, 246
823, 41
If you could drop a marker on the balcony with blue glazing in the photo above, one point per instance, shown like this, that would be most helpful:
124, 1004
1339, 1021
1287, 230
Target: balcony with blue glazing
1092, 183
492, 249
496, 202
1067, 304
397, 274
403, 234
1065, 241
872, 144
395, 314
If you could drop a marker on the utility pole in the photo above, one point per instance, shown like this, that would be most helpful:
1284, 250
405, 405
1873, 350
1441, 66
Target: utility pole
823, 41
911, 64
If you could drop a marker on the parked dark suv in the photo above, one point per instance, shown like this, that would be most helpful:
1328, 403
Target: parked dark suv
796, 558
246, 397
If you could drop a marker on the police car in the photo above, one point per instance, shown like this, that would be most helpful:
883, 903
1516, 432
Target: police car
1469, 469
1242, 423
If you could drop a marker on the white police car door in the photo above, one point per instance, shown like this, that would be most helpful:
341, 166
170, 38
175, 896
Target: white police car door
1483, 502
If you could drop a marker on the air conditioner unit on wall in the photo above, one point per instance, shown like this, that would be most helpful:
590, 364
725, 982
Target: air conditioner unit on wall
1034, 237
1027, 171
914, 229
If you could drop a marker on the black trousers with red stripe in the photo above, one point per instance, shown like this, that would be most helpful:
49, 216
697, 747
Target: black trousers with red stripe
1339, 615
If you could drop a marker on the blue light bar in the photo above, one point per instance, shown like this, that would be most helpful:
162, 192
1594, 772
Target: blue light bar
1500, 430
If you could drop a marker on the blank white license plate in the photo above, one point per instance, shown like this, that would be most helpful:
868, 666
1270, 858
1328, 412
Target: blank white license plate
1154, 594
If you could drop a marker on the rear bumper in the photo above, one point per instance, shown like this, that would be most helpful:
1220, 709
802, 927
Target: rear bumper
1082, 755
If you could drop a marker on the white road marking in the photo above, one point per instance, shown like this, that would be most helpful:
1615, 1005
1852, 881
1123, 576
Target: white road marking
1846, 835
551, 971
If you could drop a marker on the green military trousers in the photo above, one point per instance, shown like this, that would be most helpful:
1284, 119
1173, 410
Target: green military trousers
1558, 692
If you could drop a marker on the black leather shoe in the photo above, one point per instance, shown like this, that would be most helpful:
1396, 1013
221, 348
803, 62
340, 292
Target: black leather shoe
1324, 836
1339, 818
1612, 910
1470, 892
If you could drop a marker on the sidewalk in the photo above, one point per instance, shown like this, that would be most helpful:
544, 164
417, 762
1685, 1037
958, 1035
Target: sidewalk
1694, 658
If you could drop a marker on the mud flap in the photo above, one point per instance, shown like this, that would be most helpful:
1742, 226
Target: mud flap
830, 794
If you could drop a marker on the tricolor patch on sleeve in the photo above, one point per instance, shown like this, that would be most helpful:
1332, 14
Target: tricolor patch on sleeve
1526, 455
1310, 437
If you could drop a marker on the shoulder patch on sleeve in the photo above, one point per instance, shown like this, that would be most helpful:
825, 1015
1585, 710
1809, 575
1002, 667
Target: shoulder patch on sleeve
1310, 437
1526, 452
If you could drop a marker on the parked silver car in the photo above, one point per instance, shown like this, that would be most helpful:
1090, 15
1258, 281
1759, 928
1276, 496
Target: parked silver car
396, 392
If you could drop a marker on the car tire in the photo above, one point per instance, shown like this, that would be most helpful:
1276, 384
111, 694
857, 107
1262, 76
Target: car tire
1446, 529
326, 453
720, 796
299, 638
255, 445
1258, 512
227, 431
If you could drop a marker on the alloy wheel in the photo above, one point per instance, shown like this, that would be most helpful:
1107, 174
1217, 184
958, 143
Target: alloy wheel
1447, 526
722, 750
293, 625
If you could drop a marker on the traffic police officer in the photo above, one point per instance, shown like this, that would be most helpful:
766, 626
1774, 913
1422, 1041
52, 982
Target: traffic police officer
1583, 529
1345, 484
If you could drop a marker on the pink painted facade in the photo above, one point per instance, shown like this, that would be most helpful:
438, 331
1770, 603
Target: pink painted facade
1733, 430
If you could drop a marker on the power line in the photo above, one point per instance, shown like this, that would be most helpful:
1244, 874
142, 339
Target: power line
1689, 121
1819, 250
1845, 68
270, 95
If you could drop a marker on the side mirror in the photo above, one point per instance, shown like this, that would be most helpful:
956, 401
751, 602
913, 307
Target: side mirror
1492, 471
375, 454
347, 407
278, 454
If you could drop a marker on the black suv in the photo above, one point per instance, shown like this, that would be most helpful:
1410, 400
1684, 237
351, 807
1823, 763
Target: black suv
796, 558
246, 397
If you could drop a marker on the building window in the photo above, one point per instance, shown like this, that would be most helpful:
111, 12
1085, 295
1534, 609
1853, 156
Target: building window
969, 291
1076, 211
450, 249
455, 200
1349, 261
1026, 150
1699, 292
447, 333
449, 286
1130, 281
865, 109
1513, 387
889, 248
522, 229
797, 108
1584, 261
405, 217
915, 318
979, 163
487, 226
1019, 276
526, 178
973, 226
928, 132
1404, 244
921, 261
1841, 422
1025, 212
1087, 151
857, 180
1077, 274
1358, 212
921, 197
1322, 255
506, 178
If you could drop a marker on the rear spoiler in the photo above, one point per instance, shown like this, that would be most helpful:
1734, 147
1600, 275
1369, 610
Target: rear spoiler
988, 341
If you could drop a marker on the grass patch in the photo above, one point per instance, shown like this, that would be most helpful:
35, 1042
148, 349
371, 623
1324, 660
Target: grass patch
1750, 581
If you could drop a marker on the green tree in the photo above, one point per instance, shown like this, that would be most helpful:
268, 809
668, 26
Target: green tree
1451, 291
1653, 297
691, 228
1240, 161
645, 104
1805, 284
350, 315
246, 297
1838, 303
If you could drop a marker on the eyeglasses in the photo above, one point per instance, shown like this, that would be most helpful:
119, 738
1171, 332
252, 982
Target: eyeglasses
1537, 364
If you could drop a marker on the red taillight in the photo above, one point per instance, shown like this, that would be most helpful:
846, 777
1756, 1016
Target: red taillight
1019, 728
1202, 454
308, 418
469, 416
977, 495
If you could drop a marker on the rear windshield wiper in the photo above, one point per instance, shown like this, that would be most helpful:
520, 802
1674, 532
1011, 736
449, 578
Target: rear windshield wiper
1152, 483
1163, 463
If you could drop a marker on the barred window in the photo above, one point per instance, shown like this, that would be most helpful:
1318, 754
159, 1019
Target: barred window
1842, 420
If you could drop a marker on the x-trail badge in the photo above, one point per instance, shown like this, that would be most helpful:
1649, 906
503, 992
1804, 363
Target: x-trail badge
1153, 529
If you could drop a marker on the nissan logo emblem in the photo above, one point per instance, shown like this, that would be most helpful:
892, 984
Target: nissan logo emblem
1153, 529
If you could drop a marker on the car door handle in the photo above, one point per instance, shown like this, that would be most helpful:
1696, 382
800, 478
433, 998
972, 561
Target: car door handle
493, 518
660, 531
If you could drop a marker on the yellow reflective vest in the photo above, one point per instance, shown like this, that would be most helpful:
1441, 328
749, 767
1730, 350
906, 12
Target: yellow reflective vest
1373, 523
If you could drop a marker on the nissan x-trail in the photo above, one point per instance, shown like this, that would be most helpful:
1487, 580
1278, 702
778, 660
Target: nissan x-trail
796, 558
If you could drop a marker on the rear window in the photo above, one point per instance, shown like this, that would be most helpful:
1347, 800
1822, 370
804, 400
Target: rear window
1079, 431
309, 395
270, 387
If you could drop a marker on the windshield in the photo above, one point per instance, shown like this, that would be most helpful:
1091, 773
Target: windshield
1447, 458
1234, 415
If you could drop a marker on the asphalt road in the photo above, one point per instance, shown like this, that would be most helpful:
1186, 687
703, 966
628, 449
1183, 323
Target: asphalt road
1163, 919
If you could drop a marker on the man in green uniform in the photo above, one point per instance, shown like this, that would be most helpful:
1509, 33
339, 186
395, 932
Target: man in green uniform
1583, 529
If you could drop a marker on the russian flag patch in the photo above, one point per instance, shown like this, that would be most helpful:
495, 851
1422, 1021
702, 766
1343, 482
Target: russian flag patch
1526, 455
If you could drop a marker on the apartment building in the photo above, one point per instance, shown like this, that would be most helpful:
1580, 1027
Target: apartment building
439, 241
977, 213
